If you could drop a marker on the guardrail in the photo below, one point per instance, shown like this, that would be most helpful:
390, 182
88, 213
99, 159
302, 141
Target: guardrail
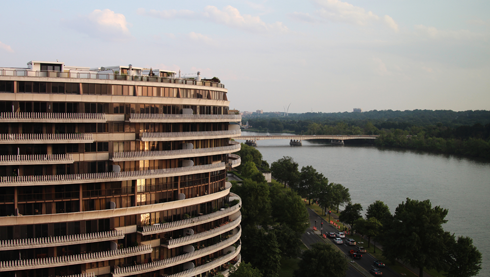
144, 116
9, 137
105, 76
189, 134
121, 156
15, 244
35, 158
73, 259
235, 160
62, 117
91, 274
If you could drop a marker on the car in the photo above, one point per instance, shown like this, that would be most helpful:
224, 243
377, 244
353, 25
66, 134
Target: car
350, 242
341, 235
361, 249
379, 264
338, 241
375, 271
355, 254
331, 235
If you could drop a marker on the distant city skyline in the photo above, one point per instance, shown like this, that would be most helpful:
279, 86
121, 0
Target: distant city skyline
318, 55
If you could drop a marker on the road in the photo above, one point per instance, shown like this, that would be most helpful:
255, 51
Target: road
310, 237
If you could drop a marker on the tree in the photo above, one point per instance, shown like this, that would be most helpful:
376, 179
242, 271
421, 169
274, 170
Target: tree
288, 208
370, 227
285, 170
245, 270
351, 213
378, 210
340, 194
325, 195
256, 205
261, 249
309, 184
288, 240
322, 261
415, 235
463, 258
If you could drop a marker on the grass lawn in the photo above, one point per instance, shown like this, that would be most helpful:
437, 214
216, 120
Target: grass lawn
288, 266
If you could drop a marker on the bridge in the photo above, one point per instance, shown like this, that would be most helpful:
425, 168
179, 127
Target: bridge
296, 139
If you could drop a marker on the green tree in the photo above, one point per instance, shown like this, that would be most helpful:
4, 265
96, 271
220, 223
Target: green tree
340, 194
245, 270
379, 210
288, 208
256, 205
325, 195
351, 213
309, 184
463, 258
288, 240
415, 235
322, 261
371, 227
285, 170
261, 249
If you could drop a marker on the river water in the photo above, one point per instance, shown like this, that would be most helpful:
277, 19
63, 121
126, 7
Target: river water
458, 184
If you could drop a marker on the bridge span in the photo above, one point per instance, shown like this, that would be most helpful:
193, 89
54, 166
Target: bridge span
308, 137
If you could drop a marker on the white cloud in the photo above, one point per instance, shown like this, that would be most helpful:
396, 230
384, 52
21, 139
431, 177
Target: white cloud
305, 17
380, 68
434, 33
103, 24
228, 16
391, 23
6, 47
200, 38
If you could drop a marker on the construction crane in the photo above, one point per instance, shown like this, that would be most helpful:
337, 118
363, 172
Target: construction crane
286, 112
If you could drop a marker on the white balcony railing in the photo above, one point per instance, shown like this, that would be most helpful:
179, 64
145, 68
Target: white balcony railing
172, 243
183, 135
142, 117
91, 274
175, 225
74, 259
149, 267
52, 117
61, 138
36, 159
235, 160
105, 176
149, 155
16, 244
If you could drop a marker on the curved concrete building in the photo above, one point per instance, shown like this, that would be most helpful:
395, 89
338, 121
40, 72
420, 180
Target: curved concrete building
115, 171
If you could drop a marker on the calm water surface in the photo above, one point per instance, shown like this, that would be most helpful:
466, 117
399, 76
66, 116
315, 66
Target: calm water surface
458, 184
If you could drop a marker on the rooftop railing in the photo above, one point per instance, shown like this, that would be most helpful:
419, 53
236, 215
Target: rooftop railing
140, 155
144, 116
15, 244
175, 225
189, 134
46, 137
172, 243
148, 267
52, 117
97, 177
74, 259
44, 158
106, 76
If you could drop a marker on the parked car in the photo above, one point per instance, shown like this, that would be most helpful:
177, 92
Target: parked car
379, 264
355, 254
361, 249
338, 241
375, 271
350, 242
341, 235
332, 235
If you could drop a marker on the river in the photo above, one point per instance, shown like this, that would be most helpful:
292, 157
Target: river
460, 185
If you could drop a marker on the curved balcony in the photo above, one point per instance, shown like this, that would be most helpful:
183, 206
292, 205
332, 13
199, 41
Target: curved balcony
65, 179
213, 264
173, 154
226, 273
149, 267
186, 223
172, 243
91, 274
17, 244
182, 118
235, 160
172, 136
110, 213
36, 159
74, 259
45, 138
53, 117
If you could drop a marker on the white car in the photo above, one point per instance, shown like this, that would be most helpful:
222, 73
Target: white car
341, 235
338, 241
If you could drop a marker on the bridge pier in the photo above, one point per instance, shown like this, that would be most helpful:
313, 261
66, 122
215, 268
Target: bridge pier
251, 143
337, 142
295, 143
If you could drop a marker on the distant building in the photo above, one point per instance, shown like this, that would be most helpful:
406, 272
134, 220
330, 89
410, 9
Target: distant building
260, 111
357, 110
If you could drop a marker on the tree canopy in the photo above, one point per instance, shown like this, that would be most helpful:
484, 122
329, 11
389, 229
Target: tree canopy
245, 270
322, 261
351, 213
285, 170
463, 258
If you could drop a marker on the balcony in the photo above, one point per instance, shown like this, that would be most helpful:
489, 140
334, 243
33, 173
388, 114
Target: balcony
173, 154
235, 160
74, 259
45, 138
17, 244
172, 243
81, 275
53, 117
172, 136
186, 223
65, 179
176, 118
36, 159
149, 267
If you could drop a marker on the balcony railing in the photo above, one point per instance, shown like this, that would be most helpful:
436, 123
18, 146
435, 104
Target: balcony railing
172, 243
143, 268
36, 159
16, 244
74, 259
105, 176
46, 138
235, 160
175, 225
183, 135
153, 155
143, 117
52, 117
105, 76
209, 266
91, 274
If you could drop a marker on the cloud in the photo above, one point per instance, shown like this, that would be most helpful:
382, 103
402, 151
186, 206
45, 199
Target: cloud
228, 16
304, 17
102, 24
380, 67
200, 38
391, 23
434, 33
6, 47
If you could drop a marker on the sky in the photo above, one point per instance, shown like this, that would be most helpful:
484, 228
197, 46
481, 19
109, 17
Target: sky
313, 56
